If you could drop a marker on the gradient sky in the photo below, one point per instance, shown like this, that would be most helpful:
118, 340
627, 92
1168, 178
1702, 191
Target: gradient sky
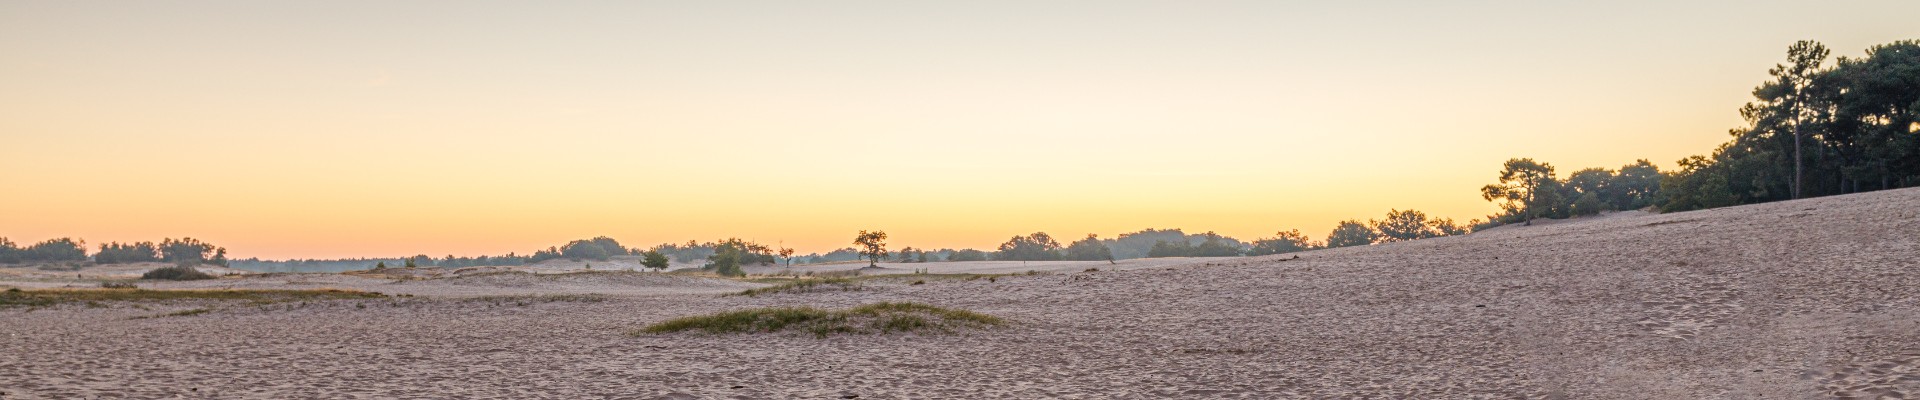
383, 128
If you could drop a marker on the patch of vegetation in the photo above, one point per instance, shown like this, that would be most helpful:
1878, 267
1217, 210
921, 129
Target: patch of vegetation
183, 313
36, 298
804, 286
176, 273
543, 298
882, 318
118, 285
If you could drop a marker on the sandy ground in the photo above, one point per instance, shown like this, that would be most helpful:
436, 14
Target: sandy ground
1802, 299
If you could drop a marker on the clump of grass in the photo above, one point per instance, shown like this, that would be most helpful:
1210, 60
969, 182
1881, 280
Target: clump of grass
118, 285
35, 298
176, 273
183, 313
804, 286
543, 298
865, 319
919, 282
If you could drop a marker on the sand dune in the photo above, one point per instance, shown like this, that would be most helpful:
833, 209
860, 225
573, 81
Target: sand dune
1801, 299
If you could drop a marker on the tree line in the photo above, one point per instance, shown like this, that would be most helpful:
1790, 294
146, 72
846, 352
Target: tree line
183, 251
1814, 128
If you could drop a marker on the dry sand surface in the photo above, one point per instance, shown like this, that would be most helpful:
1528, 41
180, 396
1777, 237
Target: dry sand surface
1801, 299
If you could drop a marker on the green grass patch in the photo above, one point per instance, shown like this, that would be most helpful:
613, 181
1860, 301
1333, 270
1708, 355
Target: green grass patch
48, 297
865, 319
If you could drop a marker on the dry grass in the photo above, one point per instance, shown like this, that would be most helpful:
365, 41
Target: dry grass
48, 297
803, 286
866, 319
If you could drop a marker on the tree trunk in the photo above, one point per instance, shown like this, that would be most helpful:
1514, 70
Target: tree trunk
1796, 155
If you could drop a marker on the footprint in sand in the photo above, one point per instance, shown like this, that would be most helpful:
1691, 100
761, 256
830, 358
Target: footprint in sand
1702, 305
1894, 378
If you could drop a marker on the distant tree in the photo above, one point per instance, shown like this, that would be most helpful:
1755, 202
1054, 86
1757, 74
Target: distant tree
190, 251
55, 250
653, 260
873, 245
1036, 247
725, 261
1140, 244
1446, 227
543, 255
610, 246
1351, 233
380, 266
729, 255
1634, 187
1170, 249
1089, 249
1520, 183
409, 263
786, 254
1404, 225
1214, 245
1283, 242
586, 250
9, 252
116, 253
967, 255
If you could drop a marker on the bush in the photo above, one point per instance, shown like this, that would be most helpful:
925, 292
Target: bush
871, 318
176, 273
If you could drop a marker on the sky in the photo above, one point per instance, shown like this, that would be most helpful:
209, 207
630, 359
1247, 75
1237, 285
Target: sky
323, 129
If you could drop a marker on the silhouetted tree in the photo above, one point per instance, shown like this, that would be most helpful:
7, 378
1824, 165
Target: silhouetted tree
1404, 225
1521, 183
1089, 249
1287, 241
967, 255
9, 252
653, 260
190, 251
873, 245
116, 253
1351, 233
1036, 247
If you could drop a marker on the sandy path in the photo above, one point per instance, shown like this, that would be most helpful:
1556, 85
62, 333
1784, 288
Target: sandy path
1804, 299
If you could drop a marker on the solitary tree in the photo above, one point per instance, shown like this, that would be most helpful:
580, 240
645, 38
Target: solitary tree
786, 253
1793, 82
653, 260
873, 246
1519, 186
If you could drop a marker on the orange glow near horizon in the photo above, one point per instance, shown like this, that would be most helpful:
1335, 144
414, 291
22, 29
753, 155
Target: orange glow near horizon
331, 130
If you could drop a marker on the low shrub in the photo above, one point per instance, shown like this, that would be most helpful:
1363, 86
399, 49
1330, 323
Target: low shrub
871, 318
176, 273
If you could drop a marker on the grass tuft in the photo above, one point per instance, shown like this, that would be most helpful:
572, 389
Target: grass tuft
870, 318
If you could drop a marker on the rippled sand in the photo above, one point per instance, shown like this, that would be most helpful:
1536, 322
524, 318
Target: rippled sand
1803, 299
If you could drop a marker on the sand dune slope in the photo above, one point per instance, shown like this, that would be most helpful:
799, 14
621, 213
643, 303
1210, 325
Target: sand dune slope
1802, 299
